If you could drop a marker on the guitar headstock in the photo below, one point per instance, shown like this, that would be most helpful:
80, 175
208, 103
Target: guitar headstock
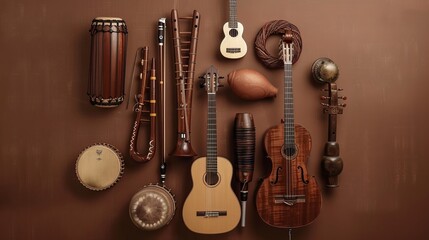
287, 47
330, 102
211, 80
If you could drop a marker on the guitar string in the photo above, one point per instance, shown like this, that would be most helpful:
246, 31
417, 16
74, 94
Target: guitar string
286, 123
232, 14
289, 124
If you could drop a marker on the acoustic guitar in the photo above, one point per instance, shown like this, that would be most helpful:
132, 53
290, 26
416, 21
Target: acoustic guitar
288, 197
211, 207
233, 45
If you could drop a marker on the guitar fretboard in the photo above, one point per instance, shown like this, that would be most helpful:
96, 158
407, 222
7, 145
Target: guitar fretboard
289, 123
232, 14
211, 166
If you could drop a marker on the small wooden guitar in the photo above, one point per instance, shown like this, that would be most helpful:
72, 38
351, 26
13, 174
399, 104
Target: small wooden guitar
288, 198
233, 45
211, 207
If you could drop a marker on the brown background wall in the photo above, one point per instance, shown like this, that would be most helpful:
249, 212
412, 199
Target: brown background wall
380, 47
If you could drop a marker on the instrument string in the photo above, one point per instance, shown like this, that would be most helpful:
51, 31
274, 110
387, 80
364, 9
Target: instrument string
289, 128
286, 120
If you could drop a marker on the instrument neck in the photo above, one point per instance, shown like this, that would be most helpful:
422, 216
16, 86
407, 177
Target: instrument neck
211, 166
289, 119
332, 120
332, 128
232, 14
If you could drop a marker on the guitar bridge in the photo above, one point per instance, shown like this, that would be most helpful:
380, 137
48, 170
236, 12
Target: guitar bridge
211, 214
233, 50
289, 200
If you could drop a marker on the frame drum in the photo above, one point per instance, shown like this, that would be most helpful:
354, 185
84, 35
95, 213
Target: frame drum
99, 166
152, 207
107, 61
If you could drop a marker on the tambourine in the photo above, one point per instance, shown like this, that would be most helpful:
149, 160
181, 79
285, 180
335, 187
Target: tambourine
99, 166
152, 207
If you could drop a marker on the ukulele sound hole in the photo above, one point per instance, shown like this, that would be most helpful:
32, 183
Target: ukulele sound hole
211, 179
233, 32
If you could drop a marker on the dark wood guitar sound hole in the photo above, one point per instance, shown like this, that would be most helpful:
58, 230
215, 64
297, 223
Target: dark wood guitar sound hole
211, 179
289, 152
233, 32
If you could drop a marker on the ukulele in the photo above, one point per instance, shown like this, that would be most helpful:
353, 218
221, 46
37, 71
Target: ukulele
233, 45
288, 197
211, 207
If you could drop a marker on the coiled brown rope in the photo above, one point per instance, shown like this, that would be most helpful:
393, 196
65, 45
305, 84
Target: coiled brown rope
277, 27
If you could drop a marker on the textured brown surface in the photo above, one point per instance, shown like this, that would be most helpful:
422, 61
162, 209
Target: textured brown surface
46, 119
249, 84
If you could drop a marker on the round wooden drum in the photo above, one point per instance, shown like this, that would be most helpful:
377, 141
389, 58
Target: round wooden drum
107, 61
99, 166
152, 207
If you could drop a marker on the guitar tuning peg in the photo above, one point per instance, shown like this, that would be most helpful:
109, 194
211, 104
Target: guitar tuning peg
202, 84
325, 104
220, 77
220, 85
340, 89
342, 97
324, 97
342, 105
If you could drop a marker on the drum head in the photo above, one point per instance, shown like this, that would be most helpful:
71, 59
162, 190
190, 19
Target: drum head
99, 166
152, 207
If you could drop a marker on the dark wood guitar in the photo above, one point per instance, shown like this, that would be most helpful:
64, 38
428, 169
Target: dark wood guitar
211, 207
288, 197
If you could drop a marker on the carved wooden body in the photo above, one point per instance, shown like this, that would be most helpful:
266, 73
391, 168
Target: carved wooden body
249, 84
211, 199
273, 206
185, 54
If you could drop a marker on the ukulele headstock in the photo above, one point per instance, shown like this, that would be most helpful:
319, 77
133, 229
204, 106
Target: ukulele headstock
330, 102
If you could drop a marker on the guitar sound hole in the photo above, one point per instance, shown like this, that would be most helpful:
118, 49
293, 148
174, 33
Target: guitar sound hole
211, 178
289, 151
233, 32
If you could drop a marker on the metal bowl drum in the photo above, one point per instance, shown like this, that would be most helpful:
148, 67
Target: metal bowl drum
324, 70
152, 207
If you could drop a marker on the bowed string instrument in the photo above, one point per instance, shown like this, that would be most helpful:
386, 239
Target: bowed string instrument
288, 197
